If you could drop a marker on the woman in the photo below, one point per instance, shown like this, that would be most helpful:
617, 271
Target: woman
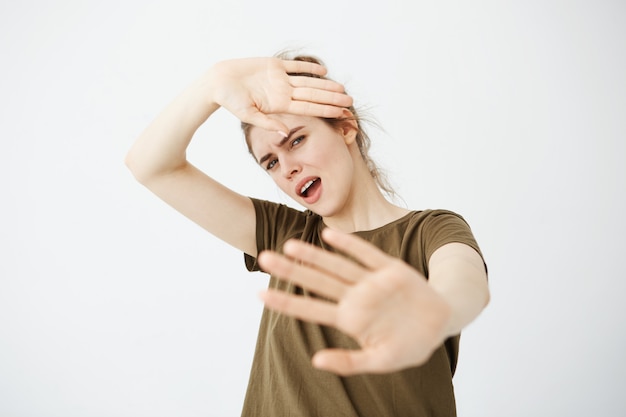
372, 292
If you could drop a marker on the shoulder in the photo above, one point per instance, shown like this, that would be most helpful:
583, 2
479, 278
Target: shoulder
417, 235
440, 227
274, 213
418, 217
276, 223
418, 221
436, 222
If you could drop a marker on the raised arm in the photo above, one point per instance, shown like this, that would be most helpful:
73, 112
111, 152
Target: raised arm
252, 89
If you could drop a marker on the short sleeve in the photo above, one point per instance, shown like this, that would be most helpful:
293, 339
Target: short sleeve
443, 227
275, 224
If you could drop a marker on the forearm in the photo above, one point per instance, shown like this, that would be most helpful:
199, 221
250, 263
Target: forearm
161, 148
466, 302
459, 277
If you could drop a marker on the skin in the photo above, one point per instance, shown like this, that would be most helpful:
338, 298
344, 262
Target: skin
374, 297
313, 150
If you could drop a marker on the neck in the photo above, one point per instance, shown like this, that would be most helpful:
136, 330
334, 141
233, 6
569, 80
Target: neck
367, 209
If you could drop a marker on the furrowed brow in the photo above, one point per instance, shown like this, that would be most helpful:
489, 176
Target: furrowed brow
280, 144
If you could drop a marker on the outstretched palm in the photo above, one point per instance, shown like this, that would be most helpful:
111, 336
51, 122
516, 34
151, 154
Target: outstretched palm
382, 302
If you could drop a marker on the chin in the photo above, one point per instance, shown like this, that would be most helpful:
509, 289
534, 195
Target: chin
324, 211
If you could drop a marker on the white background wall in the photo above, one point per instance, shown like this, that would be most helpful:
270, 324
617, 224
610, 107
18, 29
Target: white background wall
511, 113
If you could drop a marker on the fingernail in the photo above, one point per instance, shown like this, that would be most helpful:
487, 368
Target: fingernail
283, 134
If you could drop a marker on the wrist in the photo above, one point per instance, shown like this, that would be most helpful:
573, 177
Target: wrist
463, 306
211, 85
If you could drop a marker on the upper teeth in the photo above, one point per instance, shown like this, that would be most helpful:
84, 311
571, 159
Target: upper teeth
306, 186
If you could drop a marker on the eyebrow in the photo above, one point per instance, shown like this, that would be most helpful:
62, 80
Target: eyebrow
281, 143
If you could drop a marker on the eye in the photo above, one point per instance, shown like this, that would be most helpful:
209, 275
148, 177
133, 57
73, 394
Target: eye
297, 141
271, 164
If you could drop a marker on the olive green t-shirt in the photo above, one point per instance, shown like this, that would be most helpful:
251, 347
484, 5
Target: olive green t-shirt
282, 380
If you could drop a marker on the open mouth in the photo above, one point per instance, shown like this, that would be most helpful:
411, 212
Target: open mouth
304, 191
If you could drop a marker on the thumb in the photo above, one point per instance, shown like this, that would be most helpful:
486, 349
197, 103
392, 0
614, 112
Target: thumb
341, 361
259, 119
347, 362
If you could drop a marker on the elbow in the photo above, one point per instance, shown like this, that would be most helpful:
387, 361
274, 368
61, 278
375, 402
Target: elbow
128, 161
134, 167
148, 170
137, 166
483, 292
486, 297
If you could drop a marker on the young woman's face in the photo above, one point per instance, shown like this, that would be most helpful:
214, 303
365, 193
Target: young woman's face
313, 165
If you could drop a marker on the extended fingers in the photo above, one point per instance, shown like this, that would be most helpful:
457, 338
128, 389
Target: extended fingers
361, 250
299, 81
334, 264
307, 108
310, 101
319, 96
315, 280
321, 91
304, 308
304, 67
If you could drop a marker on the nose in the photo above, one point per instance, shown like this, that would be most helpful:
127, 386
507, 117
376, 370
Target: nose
289, 168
